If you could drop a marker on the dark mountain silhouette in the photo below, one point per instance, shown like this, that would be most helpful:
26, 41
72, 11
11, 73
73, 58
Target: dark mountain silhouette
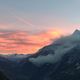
2, 76
57, 61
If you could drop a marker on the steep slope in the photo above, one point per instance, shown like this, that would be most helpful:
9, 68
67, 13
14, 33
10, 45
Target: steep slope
67, 66
58, 61
54, 52
2, 76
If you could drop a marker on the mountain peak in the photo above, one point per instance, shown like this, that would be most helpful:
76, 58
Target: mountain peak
76, 32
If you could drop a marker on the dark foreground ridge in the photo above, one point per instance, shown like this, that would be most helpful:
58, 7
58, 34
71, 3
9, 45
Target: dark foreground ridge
58, 61
2, 76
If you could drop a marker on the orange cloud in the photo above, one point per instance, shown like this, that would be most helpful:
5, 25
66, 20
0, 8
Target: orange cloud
23, 42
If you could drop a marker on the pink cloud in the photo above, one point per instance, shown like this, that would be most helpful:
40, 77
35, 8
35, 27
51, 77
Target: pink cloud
23, 42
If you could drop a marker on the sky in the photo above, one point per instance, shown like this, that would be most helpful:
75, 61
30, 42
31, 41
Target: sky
40, 17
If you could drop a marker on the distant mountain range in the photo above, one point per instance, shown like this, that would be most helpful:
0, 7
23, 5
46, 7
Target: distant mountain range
57, 61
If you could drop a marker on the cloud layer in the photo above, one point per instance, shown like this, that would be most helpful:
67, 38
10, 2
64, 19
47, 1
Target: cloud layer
23, 42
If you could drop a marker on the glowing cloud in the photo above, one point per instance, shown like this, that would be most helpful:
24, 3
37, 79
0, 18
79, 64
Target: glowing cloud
23, 42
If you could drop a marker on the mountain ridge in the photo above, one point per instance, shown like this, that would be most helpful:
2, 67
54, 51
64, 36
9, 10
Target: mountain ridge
57, 61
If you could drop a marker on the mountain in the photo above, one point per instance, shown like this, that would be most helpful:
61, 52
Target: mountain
2, 76
76, 32
6, 66
57, 61
16, 57
56, 50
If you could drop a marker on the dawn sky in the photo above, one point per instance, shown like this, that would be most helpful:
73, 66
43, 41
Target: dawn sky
32, 15
41, 19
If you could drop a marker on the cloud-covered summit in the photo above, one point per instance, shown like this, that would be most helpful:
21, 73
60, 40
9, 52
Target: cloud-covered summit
57, 49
